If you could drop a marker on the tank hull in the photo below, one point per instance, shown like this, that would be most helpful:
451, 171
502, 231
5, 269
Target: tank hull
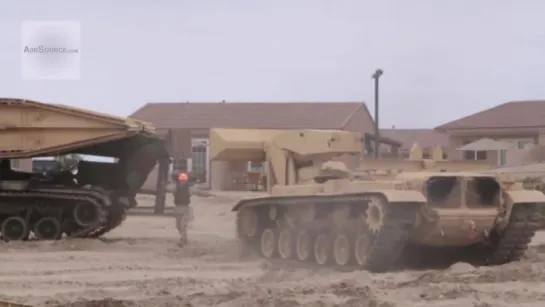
384, 215
365, 231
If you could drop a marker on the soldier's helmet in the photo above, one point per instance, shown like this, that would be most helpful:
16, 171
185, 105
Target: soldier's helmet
182, 177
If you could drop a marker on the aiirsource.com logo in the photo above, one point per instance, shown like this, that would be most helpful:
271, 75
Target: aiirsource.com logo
50, 50
44, 49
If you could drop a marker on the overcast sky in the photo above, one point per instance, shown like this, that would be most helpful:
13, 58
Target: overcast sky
443, 59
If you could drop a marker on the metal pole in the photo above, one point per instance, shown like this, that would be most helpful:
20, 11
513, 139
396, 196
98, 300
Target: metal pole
160, 190
376, 76
162, 177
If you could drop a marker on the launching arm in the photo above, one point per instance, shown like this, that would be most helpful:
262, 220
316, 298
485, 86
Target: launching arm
291, 156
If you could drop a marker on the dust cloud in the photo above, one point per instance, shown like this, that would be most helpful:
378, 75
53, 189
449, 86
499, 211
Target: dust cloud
139, 264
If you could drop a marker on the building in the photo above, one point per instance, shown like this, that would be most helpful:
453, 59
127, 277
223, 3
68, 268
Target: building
521, 123
196, 119
427, 139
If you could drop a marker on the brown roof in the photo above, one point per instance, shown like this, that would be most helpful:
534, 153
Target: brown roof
296, 115
514, 114
426, 138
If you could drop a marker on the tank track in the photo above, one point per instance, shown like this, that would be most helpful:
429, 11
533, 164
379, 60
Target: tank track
116, 214
39, 206
335, 235
511, 243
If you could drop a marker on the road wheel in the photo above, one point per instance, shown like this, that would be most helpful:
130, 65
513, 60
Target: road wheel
285, 244
47, 228
303, 245
86, 214
14, 228
268, 243
322, 249
362, 248
342, 252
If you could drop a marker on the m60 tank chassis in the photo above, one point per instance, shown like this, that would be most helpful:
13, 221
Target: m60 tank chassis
87, 201
321, 213
341, 223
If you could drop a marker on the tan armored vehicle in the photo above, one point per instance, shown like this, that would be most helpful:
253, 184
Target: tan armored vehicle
320, 211
86, 202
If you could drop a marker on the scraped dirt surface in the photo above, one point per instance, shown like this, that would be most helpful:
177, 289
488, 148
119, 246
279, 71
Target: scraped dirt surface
139, 264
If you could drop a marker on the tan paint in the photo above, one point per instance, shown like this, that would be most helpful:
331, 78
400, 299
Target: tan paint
298, 158
29, 128
518, 196
369, 164
452, 227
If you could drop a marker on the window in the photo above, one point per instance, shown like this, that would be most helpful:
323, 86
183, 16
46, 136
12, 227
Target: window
179, 164
521, 144
198, 161
502, 157
470, 154
14, 163
255, 166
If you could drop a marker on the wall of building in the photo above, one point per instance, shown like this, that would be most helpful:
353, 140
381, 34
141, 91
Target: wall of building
224, 174
528, 154
180, 143
220, 178
455, 142
516, 156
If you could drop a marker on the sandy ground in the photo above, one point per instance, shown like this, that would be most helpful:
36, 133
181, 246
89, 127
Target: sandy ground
139, 264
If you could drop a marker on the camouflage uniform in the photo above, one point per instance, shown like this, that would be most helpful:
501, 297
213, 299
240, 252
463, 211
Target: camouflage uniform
182, 210
182, 221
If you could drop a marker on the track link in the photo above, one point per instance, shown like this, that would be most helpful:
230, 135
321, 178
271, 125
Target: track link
116, 214
392, 237
512, 242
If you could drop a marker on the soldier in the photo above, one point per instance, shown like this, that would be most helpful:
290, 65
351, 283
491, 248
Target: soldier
181, 203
